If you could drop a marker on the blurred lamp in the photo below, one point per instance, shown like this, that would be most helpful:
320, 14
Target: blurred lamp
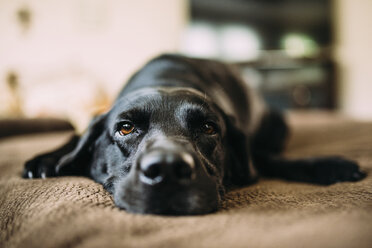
239, 43
200, 40
299, 45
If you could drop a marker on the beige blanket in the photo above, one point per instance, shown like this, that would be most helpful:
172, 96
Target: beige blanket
77, 212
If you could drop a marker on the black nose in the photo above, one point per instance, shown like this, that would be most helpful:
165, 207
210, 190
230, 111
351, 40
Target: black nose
160, 166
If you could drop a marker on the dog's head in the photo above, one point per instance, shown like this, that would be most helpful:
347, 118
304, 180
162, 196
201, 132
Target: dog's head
163, 151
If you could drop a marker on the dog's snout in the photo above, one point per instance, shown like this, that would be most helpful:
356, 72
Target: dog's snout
162, 165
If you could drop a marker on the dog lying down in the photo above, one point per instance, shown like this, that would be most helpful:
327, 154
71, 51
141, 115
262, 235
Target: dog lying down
180, 133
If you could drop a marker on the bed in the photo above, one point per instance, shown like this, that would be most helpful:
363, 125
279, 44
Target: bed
77, 212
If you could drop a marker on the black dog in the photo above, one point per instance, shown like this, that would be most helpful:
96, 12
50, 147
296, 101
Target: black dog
181, 132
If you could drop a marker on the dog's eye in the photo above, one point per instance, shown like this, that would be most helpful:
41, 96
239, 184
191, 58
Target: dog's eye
209, 128
126, 128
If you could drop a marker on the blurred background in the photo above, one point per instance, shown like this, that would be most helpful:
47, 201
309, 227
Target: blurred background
68, 59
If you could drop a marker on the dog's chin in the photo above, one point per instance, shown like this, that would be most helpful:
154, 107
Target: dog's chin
180, 203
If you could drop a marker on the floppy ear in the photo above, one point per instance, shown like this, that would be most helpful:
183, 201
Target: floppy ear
239, 168
78, 160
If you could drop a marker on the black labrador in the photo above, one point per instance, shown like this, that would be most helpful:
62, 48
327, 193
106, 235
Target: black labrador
181, 132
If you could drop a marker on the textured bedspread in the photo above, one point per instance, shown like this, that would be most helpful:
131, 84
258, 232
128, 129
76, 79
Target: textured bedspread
77, 212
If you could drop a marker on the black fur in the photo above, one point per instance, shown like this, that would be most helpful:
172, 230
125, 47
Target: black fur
191, 140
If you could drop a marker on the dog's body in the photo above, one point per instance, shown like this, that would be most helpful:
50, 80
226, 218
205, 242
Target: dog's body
181, 132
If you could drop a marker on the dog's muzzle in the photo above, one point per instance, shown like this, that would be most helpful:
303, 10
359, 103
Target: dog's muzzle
163, 165
168, 178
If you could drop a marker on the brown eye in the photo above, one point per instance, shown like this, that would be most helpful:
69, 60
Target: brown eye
126, 128
209, 128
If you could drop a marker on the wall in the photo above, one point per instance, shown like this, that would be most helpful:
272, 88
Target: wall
67, 58
353, 53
